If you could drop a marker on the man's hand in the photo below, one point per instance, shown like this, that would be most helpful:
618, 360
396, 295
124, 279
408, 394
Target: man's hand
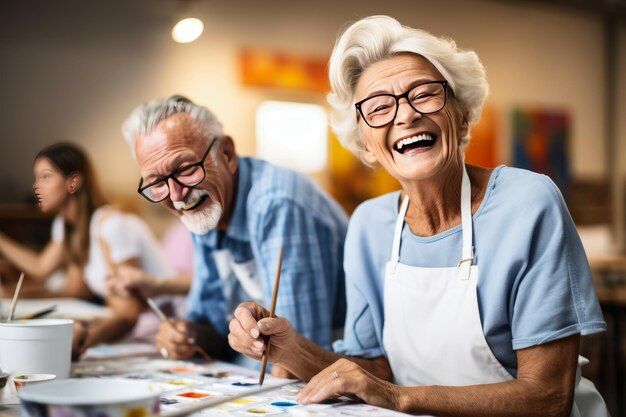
251, 323
176, 339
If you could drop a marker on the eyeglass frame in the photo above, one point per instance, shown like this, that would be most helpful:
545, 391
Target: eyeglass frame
405, 95
164, 179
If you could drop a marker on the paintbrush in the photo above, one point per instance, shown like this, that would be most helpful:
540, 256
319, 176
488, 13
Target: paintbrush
266, 353
161, 315
15, 296
39, 314
153, 306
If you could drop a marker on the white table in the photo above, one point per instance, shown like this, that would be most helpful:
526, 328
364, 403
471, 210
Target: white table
211, 376
69, 308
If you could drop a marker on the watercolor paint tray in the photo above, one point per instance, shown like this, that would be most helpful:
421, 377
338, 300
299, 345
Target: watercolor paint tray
229, 390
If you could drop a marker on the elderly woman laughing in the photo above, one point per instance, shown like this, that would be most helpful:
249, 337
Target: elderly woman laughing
469, 289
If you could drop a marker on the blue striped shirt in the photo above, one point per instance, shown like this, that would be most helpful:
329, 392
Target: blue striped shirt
275, 207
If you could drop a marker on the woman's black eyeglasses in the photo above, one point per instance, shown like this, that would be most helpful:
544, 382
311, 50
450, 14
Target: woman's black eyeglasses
381, 109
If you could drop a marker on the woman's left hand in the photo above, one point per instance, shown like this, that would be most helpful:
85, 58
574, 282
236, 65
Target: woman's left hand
128, 280
346, 377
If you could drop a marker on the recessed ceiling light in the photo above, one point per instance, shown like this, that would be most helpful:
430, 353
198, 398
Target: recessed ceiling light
187, 30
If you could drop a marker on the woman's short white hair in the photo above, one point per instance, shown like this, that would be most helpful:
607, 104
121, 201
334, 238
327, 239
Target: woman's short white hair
147, 116
376, 38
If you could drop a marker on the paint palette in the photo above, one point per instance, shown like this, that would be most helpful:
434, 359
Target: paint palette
184, 384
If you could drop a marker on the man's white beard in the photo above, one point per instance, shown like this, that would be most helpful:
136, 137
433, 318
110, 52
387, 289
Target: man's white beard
203, 221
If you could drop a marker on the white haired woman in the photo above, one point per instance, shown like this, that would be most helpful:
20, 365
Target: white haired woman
468, 290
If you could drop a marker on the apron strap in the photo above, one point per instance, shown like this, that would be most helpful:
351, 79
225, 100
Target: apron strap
467, 254
466, 221
395, 248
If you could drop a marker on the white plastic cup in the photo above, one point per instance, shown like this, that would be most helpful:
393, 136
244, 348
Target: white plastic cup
39, 346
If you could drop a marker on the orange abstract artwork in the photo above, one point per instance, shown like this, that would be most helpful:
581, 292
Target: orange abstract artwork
280, 69
483, 147
351, 182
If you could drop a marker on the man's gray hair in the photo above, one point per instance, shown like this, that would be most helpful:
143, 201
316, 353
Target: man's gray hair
147, 116
377, 38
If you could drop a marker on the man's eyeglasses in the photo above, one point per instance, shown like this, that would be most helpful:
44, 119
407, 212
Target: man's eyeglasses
187, 176
381, 109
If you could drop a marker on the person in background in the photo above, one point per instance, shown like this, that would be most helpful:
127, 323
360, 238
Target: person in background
468, 290
240, 211
90, 240
178, 249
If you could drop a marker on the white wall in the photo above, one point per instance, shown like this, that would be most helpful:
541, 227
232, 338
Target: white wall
73, 69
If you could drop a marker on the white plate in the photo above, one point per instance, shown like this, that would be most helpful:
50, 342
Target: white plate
89, 391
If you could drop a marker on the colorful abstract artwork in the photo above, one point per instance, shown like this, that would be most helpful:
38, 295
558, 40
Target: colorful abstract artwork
541, 143
349, 181
263, 68
483, 147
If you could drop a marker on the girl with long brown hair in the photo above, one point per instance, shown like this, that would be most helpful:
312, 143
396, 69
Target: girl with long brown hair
90, 240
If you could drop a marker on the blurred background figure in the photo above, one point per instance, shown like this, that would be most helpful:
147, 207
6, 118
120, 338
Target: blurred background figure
178, 249
90, 240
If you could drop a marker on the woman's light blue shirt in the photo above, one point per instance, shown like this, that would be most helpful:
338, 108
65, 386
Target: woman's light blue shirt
534, 285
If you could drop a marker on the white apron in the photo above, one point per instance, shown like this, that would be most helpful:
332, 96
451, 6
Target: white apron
433, 334
231, 273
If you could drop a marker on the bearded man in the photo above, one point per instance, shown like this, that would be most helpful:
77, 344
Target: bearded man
240, 212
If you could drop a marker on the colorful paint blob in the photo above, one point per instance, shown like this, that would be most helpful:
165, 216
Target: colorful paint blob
136, 412
283, 404
243, 401
245, 384
217, 375
183, 381
259, 411
181, 370
193, 394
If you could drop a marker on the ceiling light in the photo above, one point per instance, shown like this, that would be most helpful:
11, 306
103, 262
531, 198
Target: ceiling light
187, 30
